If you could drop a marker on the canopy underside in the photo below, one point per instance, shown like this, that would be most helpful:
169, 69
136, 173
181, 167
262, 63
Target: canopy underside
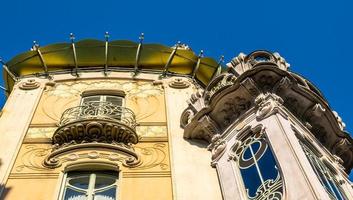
119, 55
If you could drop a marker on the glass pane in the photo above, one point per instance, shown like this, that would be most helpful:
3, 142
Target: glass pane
268, 166
71, 194
251, 179
90, 99
109, 194
118, 101
79, 182
259, 170
104, 181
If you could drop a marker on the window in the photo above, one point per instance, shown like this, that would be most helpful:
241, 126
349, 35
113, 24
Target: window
326, 177
258, 168
84, 185
107, 106
114, 100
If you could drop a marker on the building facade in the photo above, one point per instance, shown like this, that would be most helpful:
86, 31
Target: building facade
109, 120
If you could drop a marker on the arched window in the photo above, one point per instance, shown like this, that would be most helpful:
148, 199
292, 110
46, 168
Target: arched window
258, 168
326, 177
90, 185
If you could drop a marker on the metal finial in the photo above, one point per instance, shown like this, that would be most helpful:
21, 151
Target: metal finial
221, 60
35, 46
106, 35
142, 37
201, 54
72, 37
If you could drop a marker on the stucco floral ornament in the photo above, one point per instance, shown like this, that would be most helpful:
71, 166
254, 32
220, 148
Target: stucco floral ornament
267, 104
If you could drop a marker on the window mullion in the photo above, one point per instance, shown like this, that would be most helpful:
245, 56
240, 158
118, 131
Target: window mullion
91, 185
257, 166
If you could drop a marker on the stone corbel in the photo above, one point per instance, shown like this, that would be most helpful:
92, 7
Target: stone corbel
340, 123
283, 84
250, 86
217, 147
267, 104
341, 146
186, 117
318, 110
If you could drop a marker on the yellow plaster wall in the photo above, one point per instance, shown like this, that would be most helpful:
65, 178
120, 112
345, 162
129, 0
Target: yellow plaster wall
30, 189
156, 188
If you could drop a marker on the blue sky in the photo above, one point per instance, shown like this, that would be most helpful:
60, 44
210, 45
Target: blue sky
315, 37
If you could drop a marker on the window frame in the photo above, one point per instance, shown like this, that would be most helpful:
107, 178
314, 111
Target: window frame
88, 166
240, 139
309, 143
317, 164
91, 191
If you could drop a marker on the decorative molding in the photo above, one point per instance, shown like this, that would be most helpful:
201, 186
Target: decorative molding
340, 122
152, 156
179, 83
114, 152
217, 147
243, 63
29, 84
151, 131
266, 105
94, 130
48, 158
40, 132
233, 108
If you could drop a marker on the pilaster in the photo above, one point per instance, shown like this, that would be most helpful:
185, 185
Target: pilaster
15, 118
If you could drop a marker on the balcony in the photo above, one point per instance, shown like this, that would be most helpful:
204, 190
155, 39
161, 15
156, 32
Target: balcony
101, 122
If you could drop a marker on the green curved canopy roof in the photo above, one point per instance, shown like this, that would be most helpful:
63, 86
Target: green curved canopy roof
121, 56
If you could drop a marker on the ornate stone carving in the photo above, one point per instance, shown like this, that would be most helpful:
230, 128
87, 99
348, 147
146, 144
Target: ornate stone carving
179, 83
226, 81
98, 130
30, 84
217, 146
243, 63
230, 95
251, 87
342, 146
234, 107
341, 124
267, 104
152, 156
186, 117
111, 152
138, 158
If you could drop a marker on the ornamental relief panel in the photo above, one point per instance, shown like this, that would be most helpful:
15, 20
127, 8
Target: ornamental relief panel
35, 158
144, 98
142, 132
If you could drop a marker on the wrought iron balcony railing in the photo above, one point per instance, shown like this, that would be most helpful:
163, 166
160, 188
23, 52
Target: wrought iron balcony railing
99, 110
96, 122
